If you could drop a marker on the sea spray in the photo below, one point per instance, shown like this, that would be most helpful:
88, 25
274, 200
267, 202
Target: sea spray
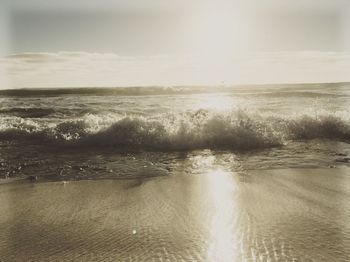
200, 129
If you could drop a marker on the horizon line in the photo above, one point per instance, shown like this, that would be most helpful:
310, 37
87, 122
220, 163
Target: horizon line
173, 86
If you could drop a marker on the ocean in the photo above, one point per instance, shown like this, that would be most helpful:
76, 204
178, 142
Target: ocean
250, 173
94, 133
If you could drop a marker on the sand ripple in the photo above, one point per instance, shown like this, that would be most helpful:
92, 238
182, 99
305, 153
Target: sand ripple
280, 215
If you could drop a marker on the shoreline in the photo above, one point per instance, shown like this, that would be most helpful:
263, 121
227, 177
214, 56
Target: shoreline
216, 215
39, 179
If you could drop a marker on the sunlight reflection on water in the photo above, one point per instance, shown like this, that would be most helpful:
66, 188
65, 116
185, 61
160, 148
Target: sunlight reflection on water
215, 102
221, 187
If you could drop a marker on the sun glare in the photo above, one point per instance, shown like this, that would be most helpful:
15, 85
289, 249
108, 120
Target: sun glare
221, 187
215, 102
213, 31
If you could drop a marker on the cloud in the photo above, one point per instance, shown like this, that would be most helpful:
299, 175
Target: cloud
73, 69
36, 57
166, 4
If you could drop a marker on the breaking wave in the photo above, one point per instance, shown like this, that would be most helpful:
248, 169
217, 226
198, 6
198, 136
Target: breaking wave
201, 129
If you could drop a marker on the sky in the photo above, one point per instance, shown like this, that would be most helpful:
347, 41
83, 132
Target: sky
50, 43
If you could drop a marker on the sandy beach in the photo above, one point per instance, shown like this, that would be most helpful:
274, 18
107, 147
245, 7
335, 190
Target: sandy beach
271, 215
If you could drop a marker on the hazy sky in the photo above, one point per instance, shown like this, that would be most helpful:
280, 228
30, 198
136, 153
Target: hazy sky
156, 42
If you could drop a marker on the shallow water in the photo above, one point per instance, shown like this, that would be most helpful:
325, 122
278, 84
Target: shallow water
214, 215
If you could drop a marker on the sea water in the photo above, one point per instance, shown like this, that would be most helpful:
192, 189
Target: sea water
179, 174
91, 133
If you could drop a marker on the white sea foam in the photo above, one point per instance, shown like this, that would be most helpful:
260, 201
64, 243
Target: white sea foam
236, 130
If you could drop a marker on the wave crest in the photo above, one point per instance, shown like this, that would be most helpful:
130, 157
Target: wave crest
328, 126
187, 131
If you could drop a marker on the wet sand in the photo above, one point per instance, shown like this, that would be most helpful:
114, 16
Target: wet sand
272, 215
